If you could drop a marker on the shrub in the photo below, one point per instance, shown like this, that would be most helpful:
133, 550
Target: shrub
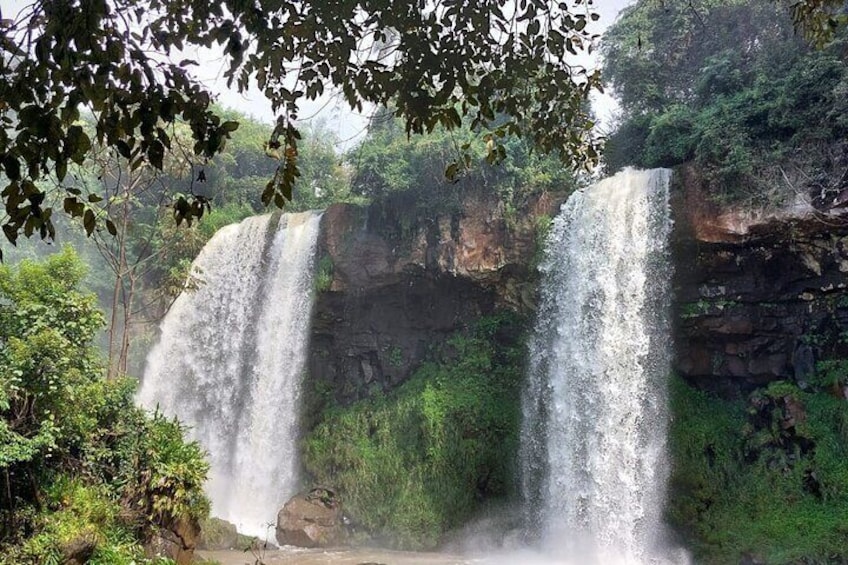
79, 463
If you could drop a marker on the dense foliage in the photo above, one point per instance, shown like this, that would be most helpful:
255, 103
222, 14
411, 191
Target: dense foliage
762, 478
728, 85
80, 465
420, 460
388, 160
436, 62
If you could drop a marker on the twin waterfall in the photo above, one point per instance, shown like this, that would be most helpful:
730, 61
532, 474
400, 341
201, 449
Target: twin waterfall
593, 438
231, 355
230, 358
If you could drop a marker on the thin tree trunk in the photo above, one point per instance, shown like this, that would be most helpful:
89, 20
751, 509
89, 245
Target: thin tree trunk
125, 344
113, 326
118, 365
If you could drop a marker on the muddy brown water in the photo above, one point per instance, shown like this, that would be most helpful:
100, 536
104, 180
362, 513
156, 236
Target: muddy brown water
334, 557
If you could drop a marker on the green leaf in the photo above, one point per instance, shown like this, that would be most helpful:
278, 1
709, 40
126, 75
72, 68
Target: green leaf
78, 144
61, 169
11, 167
451, 171
156, 154
89, 222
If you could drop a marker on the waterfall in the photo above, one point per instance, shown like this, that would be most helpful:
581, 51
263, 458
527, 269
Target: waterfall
594, 429
229, 361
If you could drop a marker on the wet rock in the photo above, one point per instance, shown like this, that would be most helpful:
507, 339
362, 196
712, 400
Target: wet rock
218, 534
177, 541
79, 550
311, 519
402, 282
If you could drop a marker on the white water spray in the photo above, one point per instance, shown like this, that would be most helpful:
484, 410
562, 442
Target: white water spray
230, 358
594, 432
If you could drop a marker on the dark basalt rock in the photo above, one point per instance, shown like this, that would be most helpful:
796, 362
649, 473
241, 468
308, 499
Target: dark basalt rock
176, 540
756, 300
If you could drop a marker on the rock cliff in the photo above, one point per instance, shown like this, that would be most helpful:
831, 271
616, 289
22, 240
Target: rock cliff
392, 285
760, 295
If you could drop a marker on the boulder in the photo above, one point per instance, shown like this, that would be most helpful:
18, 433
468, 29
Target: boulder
217, 534
177, 541
311, 519
79, 550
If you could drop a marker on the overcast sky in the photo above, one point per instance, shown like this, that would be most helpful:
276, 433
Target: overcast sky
346, 124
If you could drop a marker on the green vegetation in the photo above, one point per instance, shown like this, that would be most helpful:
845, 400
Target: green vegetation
405, 179
437, 64
324, 274
766, 476
389, 161
705, 307
418, 461
726, 84
80, 465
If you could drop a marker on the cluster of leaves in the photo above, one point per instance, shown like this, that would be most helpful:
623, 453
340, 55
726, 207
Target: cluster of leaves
729, 85
79, 462
438, 63
239, 174
819, 20
419, 461
57, 57
390, 161
764, 478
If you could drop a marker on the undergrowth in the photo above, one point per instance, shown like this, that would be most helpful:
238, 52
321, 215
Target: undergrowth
764, 478
416, 462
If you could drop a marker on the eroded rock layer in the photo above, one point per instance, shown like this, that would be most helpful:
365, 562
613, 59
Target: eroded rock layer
759, 296
393, 285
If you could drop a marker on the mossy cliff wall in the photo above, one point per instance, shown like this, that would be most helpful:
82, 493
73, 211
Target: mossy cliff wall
391, 286
416, 361
759, 431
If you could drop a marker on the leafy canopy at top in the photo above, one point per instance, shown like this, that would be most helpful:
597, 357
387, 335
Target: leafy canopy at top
507, 66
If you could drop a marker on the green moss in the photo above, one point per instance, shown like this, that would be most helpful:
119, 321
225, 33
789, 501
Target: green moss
766, 476
395, 356
705, 307
324, 274
417, 462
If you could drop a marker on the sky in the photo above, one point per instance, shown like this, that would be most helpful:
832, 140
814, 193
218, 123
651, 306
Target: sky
337, 116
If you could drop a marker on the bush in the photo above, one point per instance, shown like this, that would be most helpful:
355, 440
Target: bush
79, 463
762, 120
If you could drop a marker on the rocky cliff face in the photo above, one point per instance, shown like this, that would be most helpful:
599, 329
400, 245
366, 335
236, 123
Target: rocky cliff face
393, 286
761, 296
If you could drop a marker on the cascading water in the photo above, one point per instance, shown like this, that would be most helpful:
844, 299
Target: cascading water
594, 428
229, 362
